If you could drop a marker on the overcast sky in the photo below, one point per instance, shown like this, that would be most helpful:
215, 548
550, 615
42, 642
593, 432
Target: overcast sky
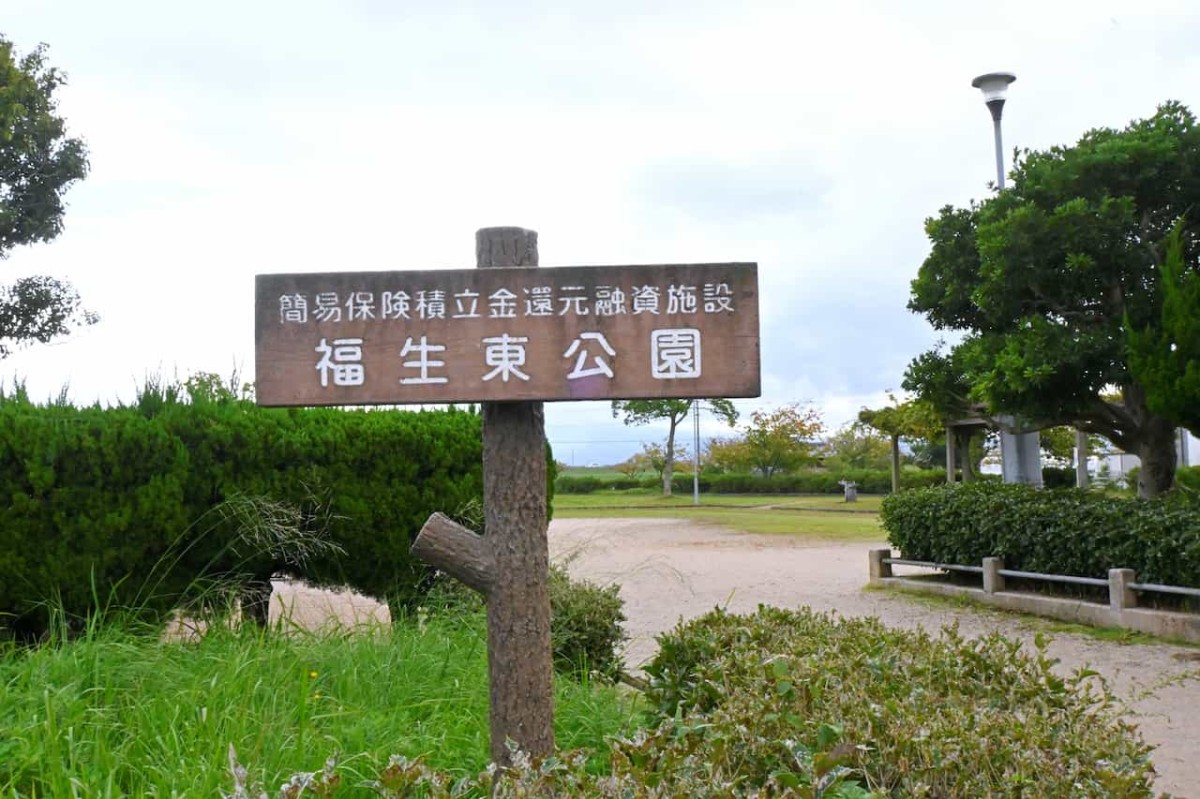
234, 138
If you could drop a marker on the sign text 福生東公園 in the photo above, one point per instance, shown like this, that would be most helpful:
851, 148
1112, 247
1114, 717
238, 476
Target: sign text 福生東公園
503, 334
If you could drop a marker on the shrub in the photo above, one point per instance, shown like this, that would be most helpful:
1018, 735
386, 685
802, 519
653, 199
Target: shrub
869, 481
624, 483
685, 483
585, 625
369, 479
570, 484
810, 481
1063, 531
586, 620
115, 506
908, 714
92, 499
1187, 480
1058, 477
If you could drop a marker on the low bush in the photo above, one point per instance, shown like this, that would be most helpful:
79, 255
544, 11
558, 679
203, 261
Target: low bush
789, 698
624, 483
813, 481
1063, 531
569, 484
1058, 476
1187, 480
798, 704
586, 632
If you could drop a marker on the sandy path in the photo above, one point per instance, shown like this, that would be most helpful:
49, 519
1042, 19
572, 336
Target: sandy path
670, 569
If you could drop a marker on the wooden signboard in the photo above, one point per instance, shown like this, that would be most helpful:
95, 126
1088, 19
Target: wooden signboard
508, 335
504, 334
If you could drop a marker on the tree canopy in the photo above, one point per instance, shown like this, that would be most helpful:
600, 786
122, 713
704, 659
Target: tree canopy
780, 440
857, 446
672, 411
1165, 357
38, 161
913, 419
1043, 277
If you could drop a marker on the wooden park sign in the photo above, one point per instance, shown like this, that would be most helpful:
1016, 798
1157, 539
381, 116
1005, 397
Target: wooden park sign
465, 335
507, 337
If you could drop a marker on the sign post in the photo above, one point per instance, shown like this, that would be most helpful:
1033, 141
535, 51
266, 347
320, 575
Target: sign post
510, 336
512, 557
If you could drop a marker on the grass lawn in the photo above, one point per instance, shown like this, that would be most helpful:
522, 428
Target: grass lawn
118, 714
816, 516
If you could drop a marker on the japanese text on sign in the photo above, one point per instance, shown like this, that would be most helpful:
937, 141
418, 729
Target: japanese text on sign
554, 333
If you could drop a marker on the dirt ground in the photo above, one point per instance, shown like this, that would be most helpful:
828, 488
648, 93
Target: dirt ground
670, 569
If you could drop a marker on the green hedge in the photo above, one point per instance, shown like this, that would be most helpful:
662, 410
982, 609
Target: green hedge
1187, 480
91, 499
1058, 476
1063, 531
117, 505
869, 481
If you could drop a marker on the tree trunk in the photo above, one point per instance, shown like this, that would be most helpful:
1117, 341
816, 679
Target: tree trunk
968, 465
1155, 438
951, 451
668, 474
1156, 450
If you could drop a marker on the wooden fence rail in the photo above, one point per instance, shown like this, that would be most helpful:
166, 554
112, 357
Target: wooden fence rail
1123, 589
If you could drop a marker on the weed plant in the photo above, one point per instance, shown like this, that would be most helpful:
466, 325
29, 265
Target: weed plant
121, 712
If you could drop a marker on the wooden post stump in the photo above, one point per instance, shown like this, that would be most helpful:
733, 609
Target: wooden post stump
509, 564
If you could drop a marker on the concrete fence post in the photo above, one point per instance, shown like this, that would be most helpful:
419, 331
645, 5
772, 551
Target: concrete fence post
879, 568
1120, 595
993, 580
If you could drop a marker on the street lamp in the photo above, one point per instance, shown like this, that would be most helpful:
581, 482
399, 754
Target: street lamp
994, 86
1020, 453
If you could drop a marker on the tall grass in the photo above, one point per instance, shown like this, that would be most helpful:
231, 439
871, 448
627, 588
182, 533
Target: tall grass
118, 713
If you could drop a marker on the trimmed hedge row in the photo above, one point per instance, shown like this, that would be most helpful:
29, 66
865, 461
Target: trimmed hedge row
1062, 531
869, 481
1187, 479
116, 505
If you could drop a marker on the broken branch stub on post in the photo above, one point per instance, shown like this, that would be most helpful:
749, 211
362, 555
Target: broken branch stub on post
461, 553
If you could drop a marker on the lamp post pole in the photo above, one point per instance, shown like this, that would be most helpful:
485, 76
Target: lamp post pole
1020, 453
696, 452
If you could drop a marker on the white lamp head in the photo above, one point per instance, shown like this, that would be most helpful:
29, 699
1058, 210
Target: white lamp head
994, 85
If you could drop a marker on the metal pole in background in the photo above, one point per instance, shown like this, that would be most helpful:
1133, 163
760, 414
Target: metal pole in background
696, 452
